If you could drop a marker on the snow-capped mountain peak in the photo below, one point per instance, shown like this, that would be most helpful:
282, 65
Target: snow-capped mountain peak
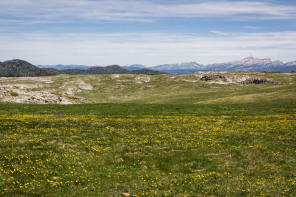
252, 61
249, 63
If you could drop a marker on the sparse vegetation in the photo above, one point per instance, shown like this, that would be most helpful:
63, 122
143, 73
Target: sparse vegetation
14, 94
229, 87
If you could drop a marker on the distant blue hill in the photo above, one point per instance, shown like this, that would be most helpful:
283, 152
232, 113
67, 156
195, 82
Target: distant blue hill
64, 67
134, 67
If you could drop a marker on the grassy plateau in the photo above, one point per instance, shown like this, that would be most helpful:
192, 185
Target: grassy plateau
166, 136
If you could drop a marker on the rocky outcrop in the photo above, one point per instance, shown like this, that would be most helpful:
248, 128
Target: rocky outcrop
260, 81
41, 90
220, 78
20, 93
143, 79
212, 77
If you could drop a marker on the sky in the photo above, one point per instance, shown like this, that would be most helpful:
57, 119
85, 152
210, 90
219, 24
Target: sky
147, 32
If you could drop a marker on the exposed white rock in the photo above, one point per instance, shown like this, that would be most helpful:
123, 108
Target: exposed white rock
11, 94
82, 85
141, 80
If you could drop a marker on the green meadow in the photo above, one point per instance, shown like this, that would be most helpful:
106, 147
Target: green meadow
166, 136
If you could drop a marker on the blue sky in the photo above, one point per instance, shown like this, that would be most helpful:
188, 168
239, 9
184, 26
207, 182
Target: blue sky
148, 32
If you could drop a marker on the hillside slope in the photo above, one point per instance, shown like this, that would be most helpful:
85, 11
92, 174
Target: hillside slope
200, 88
20, 68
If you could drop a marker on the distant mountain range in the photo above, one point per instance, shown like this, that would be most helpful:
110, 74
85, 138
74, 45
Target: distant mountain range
246, 64
63, 67
176, 69
21, 68
254, 64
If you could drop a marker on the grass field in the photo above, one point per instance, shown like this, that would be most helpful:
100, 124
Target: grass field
217, 147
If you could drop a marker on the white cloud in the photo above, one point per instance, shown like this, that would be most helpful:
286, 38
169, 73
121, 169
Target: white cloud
145, 48
64, 10
252, 27
219, 32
